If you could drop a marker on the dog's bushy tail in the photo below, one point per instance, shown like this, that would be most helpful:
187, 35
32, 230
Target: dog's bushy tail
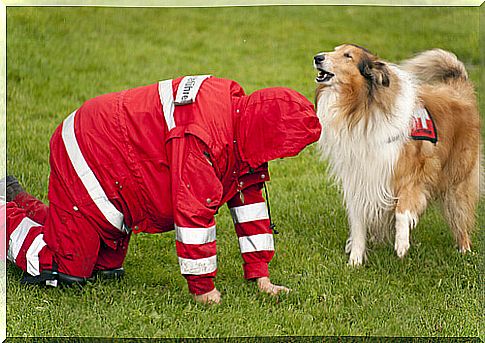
436, 66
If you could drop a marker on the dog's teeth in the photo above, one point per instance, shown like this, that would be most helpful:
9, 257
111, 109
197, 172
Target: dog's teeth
323, 76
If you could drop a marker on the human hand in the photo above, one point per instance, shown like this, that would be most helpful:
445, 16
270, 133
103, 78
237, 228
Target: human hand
265, 285
212, 297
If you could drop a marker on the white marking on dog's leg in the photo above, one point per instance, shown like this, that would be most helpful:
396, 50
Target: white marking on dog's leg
356, 241
404, 222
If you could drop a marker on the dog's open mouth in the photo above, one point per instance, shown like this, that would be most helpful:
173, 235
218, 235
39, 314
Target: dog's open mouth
323, 75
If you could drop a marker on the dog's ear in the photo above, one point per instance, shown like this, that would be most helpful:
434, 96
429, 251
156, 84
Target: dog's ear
381, 73
376, 72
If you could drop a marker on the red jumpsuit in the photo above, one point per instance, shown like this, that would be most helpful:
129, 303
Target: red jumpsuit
158, 158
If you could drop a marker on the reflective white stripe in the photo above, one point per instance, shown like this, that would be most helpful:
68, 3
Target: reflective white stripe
87, 176
196, 235
256, 243
188, 89
165, 92
18, 236
249, 213
199, 266
32, 255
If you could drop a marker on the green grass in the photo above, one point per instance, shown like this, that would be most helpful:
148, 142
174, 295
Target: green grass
59, 57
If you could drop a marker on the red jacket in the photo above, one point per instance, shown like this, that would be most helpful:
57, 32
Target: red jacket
164, 165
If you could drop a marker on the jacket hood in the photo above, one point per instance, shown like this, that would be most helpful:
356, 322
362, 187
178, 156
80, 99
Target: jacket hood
274, 123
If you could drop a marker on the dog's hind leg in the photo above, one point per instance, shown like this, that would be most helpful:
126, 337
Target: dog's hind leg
410, 205
459, 206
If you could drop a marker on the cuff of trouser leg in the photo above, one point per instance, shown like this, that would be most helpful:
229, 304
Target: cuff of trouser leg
255, 270
200, 285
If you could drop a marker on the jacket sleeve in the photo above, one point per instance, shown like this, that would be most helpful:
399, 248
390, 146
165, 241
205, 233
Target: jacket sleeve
196, 196
250, 216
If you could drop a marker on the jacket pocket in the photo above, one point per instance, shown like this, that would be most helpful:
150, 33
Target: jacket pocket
200, 191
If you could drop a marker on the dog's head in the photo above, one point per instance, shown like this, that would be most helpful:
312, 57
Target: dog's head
350, 64
364, 84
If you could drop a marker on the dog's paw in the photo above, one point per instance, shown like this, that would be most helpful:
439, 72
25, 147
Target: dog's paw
356, 259
464, 244
401, 247
464, 249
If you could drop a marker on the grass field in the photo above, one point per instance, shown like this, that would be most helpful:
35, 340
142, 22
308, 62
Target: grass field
59, 57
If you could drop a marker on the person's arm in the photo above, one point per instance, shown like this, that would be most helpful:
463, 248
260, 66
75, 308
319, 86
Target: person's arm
251, 220
196, 195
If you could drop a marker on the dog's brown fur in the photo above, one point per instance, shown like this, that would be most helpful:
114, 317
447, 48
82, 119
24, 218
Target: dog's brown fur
449, 170
362, 93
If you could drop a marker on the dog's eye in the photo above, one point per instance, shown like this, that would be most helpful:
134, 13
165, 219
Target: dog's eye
347, 55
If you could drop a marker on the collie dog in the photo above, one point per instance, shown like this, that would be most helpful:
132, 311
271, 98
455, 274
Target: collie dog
368, 109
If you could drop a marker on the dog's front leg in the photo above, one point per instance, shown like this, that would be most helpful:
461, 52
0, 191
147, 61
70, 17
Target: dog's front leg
411, 203
404, 222
357, 238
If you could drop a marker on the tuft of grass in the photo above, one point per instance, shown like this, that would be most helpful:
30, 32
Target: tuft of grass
59, 57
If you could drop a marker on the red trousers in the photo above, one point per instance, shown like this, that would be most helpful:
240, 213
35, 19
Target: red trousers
79, 250
71, 232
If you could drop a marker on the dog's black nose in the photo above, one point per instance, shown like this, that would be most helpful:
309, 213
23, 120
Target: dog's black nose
319, 58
